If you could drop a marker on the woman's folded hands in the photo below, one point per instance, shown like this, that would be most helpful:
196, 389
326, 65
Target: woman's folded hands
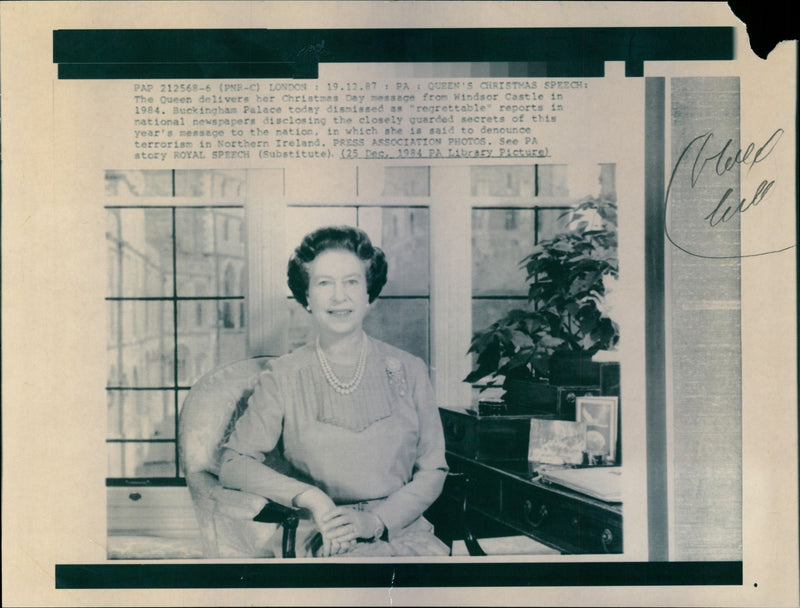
339, 527
346, 524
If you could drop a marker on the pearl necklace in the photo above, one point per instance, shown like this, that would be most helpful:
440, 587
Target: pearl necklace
343, 388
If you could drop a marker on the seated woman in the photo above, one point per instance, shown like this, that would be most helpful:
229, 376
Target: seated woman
357, 418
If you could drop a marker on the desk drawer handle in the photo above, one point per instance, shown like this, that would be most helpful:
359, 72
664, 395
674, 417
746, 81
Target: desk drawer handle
527, 509
606, 538
134, 496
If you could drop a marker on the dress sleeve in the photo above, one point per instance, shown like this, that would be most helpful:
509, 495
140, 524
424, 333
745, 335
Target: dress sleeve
430, 467
257, 433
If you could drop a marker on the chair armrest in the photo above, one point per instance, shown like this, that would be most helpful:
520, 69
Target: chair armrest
244, 505
287, 517
276, 513
237, 504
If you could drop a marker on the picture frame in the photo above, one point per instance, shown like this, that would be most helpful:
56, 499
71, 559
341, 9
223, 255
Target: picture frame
559, 442
600, 414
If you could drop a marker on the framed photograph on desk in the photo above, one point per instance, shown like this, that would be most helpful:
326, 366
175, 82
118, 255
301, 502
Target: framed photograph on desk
600, 415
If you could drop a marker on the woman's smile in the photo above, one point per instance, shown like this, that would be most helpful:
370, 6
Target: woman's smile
337, 292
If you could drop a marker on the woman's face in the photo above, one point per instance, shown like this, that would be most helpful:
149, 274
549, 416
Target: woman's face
337, 292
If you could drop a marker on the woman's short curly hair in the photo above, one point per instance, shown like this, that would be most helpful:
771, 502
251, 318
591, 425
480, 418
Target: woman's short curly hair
346, 238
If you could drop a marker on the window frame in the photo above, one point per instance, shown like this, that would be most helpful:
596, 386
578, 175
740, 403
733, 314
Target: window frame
177, 388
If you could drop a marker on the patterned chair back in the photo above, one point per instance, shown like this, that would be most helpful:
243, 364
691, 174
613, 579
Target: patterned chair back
210, 410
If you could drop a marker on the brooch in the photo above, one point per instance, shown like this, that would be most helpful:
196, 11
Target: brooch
397, 379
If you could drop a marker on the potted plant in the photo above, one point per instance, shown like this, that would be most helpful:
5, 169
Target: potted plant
565, 321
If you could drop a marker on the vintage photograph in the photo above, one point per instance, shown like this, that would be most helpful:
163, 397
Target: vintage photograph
558, 442
398, 303
326, 439
600, 416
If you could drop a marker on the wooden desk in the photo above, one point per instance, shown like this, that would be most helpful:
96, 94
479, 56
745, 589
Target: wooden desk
504, 500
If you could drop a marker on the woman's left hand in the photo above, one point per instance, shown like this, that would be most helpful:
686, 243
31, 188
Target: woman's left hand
344, 524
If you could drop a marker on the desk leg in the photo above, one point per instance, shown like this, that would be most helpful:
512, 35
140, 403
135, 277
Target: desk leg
473, 546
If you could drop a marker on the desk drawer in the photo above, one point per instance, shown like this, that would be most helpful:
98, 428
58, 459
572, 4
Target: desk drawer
160, 511
565, 520
573, 524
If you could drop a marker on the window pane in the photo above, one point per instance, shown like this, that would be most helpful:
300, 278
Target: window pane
140, 252
406, 181
552, 181
141, 414
552, 222
403, 233
139, 183
501, 238
401, 323
114, 256
486, 312
210, 333
141, 459
140, 344
302, 220
210, 252
210, 184
608, 180
503, 180
300, 328
182, 394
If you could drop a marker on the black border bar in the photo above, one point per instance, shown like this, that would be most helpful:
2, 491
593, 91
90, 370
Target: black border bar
167, 70
283, 575
275, 53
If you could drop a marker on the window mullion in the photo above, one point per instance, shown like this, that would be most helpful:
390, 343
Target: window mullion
175, 331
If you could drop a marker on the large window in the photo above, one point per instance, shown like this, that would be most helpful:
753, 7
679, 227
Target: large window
176, 289
504, 233
501, 238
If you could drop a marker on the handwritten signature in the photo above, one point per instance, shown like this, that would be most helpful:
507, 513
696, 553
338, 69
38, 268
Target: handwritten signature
718, 164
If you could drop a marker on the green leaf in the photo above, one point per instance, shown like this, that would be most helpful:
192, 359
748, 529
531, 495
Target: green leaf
588, 323
476, 375
521, 359
516, 315
521, 339
482, 339
551, 342
534, 324
490, 355
562, 246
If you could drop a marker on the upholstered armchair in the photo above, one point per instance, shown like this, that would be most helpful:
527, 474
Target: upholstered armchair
227, 518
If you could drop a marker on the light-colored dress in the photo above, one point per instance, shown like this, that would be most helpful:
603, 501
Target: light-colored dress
380, 448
